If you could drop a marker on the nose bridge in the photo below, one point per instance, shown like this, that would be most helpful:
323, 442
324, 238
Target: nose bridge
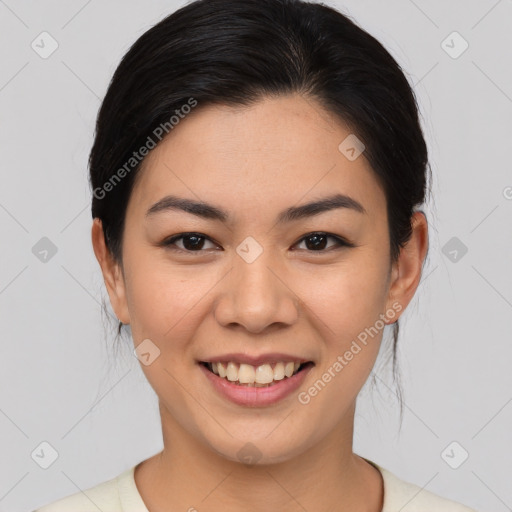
255, 294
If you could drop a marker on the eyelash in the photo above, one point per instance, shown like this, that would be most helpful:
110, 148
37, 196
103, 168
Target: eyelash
340, 242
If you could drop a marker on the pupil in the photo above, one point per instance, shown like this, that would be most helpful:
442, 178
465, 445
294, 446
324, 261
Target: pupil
192, 246
316, 245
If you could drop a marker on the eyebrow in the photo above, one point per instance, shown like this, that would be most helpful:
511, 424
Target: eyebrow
293, 213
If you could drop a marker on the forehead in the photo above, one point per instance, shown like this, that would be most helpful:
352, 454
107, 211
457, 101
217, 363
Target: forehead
275, 151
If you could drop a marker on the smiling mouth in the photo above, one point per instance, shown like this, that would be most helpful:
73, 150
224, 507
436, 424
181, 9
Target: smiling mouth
265, 375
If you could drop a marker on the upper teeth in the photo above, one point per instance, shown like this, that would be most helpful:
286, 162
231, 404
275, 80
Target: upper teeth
248, 374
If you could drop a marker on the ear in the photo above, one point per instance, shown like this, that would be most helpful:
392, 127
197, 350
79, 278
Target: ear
112, 272
406, 272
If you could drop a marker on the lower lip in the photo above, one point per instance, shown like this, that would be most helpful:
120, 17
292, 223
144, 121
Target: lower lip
256, 397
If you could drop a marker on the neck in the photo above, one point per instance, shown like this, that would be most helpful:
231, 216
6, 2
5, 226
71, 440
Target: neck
189, 475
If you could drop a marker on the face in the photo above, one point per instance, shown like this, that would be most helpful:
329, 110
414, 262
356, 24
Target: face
253, 281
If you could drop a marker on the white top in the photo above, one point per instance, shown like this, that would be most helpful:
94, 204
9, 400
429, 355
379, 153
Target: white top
120, 494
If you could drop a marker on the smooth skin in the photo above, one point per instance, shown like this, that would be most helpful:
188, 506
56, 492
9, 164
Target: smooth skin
255, 162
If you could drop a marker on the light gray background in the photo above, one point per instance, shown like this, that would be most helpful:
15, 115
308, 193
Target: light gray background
62, 383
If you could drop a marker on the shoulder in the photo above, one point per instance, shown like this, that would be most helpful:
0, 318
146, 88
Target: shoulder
408, 497
104, 497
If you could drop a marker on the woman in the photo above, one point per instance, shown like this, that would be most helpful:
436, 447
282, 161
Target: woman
257, 174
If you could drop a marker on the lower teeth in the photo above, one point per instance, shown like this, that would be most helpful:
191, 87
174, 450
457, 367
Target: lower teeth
255, 384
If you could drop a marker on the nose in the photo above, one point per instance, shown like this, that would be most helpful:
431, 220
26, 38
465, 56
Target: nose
257, 295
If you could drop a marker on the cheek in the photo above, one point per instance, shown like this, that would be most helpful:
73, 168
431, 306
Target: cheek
347, 311
348, 304
347, 298
166, 302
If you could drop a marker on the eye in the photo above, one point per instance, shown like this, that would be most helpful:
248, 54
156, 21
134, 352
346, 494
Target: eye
192, 242
316, 242
195, 242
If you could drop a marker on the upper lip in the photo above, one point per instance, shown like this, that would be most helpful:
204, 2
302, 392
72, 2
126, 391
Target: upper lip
271, 357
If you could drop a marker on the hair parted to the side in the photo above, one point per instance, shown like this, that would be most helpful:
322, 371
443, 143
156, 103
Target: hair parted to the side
235, 52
